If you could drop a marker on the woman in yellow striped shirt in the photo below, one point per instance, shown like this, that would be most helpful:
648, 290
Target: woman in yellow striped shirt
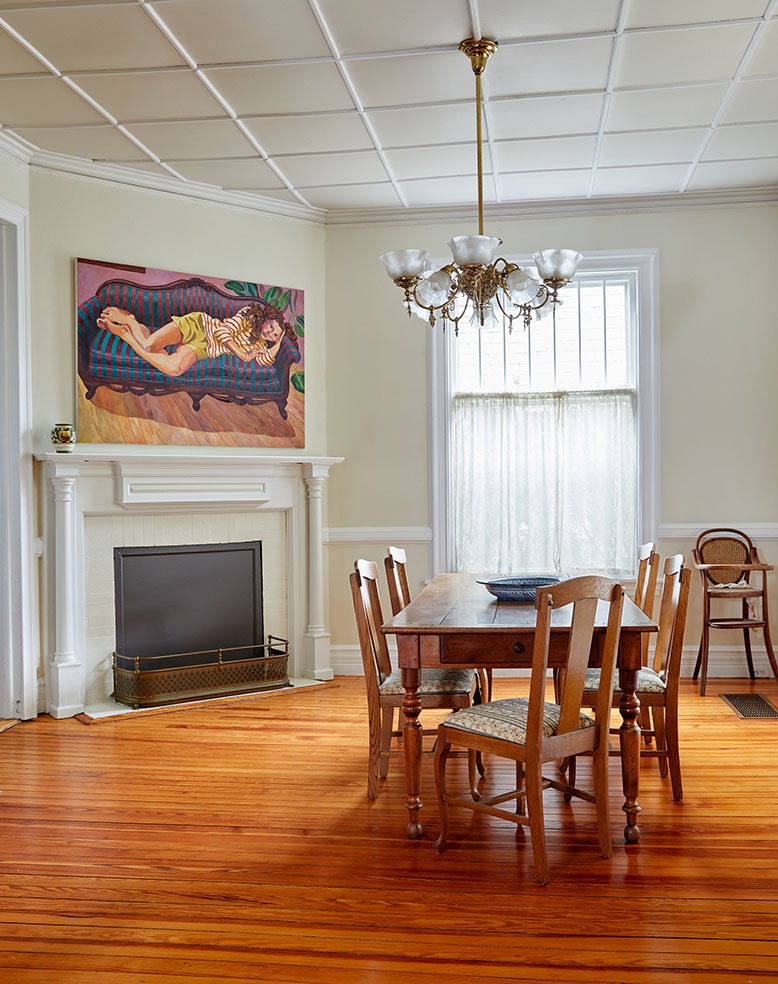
253, 333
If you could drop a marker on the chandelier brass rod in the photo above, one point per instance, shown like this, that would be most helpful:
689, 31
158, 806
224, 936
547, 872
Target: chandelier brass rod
479, 154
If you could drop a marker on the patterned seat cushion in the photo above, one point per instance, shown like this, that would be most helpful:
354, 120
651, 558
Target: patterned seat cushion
507, 719
649, 682
454, 681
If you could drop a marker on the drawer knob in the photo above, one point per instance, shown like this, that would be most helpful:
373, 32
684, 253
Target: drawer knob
518, 648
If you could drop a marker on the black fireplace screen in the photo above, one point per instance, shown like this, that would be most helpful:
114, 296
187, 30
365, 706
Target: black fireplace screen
191, 599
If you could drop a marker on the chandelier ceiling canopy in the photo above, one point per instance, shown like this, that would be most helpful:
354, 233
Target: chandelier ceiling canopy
476, 286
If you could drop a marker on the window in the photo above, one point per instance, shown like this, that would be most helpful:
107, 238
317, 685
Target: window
546, 435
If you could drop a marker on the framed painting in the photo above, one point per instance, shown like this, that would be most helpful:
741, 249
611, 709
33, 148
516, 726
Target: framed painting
179, 358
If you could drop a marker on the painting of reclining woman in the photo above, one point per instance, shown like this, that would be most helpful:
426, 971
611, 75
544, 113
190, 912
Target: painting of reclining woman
173, 358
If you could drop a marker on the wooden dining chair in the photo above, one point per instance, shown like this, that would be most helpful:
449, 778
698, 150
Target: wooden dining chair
396, 567
645, 582
532, 732
645, 597
440, 688
658, 684
726, 558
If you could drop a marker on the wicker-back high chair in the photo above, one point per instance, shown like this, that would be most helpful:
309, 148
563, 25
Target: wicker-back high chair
726, 558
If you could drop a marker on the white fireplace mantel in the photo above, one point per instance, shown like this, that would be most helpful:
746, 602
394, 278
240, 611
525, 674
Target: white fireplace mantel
84, 483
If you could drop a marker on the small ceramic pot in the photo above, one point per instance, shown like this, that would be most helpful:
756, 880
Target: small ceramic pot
63, 437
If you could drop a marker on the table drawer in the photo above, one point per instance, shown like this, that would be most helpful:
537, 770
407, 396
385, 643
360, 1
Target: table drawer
494, 649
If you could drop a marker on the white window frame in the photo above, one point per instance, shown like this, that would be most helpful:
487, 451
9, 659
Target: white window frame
645, 263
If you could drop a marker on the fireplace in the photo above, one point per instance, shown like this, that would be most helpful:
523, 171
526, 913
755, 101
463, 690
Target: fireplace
189, 624
100, 499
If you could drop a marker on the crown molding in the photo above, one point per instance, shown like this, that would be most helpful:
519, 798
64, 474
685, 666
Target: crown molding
15, 147
555, 209
429, 215
119, 174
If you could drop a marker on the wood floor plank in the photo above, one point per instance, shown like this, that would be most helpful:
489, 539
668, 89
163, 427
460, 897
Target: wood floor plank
235, 843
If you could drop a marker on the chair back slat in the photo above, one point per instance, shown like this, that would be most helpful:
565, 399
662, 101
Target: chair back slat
367, 607
396, 566
672, 671
584, 593
668, 610
645, 582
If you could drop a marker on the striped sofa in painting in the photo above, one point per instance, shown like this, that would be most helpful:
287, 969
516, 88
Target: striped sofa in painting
105, 360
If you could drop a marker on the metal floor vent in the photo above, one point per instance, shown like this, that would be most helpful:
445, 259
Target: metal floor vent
750, 705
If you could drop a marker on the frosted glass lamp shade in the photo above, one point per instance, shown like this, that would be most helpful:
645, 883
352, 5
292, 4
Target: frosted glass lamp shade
405, 262
557, 264
434, 288
521, 286
473, 250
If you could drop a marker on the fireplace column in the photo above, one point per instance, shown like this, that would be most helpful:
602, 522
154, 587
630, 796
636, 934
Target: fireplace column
317, 639
65, 683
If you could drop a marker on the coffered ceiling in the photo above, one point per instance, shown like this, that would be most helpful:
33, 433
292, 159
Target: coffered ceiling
365, 105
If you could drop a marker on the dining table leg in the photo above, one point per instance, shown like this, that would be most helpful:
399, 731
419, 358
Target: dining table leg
408, 652
629, 741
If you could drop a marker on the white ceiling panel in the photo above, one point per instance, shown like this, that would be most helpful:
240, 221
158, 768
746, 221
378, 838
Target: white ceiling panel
554, 66
538, 185
371, 106
395, 26
80, 39
309, 134
421, 125
176, 94
743, 142
763, 59
534, 155
244, 174
16, 60
282, 89
412, 79
657, 13
508, 19
221, 31
47, 101
753, 102
699, 54
331, 169
94, 143
660, 109
427, 162
661, 179
362, 196
445, 191
193, 140
735, 174
547, 116
651, 147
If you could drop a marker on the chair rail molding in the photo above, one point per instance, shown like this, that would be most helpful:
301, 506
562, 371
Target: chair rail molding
690, 531
85, 484
378, 534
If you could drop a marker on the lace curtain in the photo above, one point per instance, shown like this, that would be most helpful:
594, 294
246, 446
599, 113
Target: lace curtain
544, 482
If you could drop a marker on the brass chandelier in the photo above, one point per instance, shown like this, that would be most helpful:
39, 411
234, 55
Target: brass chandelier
476, 284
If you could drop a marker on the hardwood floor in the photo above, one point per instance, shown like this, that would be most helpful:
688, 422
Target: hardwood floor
233, 842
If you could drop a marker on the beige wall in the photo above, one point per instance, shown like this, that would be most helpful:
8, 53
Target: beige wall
77, 217
14, 181
718, 367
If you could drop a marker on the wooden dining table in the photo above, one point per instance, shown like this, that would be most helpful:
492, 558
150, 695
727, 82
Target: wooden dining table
454, 621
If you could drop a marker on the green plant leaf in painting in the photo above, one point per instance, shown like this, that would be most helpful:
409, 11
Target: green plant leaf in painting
299, 325
298, 381
284, 300
236, 287
242, 288
271, 294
